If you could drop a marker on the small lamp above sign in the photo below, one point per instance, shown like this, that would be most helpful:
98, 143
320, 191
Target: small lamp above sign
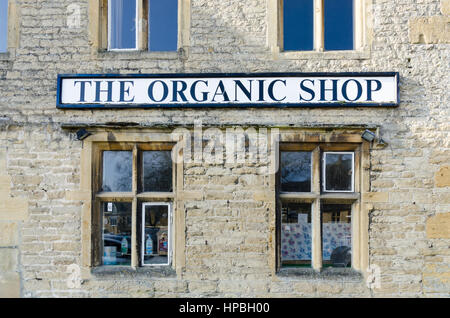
368, 135
83, 134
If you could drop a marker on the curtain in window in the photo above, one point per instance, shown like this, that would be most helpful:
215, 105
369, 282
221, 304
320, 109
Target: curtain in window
122, 24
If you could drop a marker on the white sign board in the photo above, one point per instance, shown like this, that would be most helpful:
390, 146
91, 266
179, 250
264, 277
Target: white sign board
227, 90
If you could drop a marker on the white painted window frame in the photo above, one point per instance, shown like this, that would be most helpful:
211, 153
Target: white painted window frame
324, 176
136, 29
169, 230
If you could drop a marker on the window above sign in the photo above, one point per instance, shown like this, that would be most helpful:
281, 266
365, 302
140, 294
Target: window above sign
160, 17
139, 25
9, 28
319, 28
3, 26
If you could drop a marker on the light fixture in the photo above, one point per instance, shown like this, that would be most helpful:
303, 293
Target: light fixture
368, 135
82, 134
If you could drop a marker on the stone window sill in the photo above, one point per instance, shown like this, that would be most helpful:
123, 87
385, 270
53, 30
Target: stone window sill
140, 55
343, 274
128, 272
327, 55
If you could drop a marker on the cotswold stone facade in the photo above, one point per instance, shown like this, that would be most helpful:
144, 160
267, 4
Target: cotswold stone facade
225, 214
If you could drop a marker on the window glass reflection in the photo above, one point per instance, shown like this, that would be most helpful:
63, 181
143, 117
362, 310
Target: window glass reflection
155, 245
336, 235
163, 25
295, 171
116, 233
122, 24
296, 235
338, 24
298, 25
157, 171
338, 171
117, 171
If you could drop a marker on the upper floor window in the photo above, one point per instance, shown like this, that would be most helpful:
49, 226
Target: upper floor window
318, 25
304, 29
142, 24
3, 26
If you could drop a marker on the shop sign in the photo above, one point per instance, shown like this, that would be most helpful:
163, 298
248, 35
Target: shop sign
227, 90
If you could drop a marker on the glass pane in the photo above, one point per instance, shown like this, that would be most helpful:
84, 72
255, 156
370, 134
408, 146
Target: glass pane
338, 21
117, 171
155, 245
296, 235
338, 171
122, 24
163, 25
157, 171
298, 25
336, 235
3, 25
116, 233
295, 171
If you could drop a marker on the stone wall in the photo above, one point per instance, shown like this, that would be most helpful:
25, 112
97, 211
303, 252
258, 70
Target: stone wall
40, 224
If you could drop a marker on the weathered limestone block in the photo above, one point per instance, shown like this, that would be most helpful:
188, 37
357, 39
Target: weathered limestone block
443, 177
445, 7
376, 197
8, 234
429, 30
8, 259
9, 285
438, 226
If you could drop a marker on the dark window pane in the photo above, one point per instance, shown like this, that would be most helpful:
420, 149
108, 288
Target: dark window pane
117, 170
298, 25
122, 24
338, 171
336, 235
296, 235
295, 171
157, 171
116, 233
155, 245
163, 25
338, 21
3, 25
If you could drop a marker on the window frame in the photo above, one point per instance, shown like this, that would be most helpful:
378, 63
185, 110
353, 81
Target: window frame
317, 144
169, 232
362, 33
136, 198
